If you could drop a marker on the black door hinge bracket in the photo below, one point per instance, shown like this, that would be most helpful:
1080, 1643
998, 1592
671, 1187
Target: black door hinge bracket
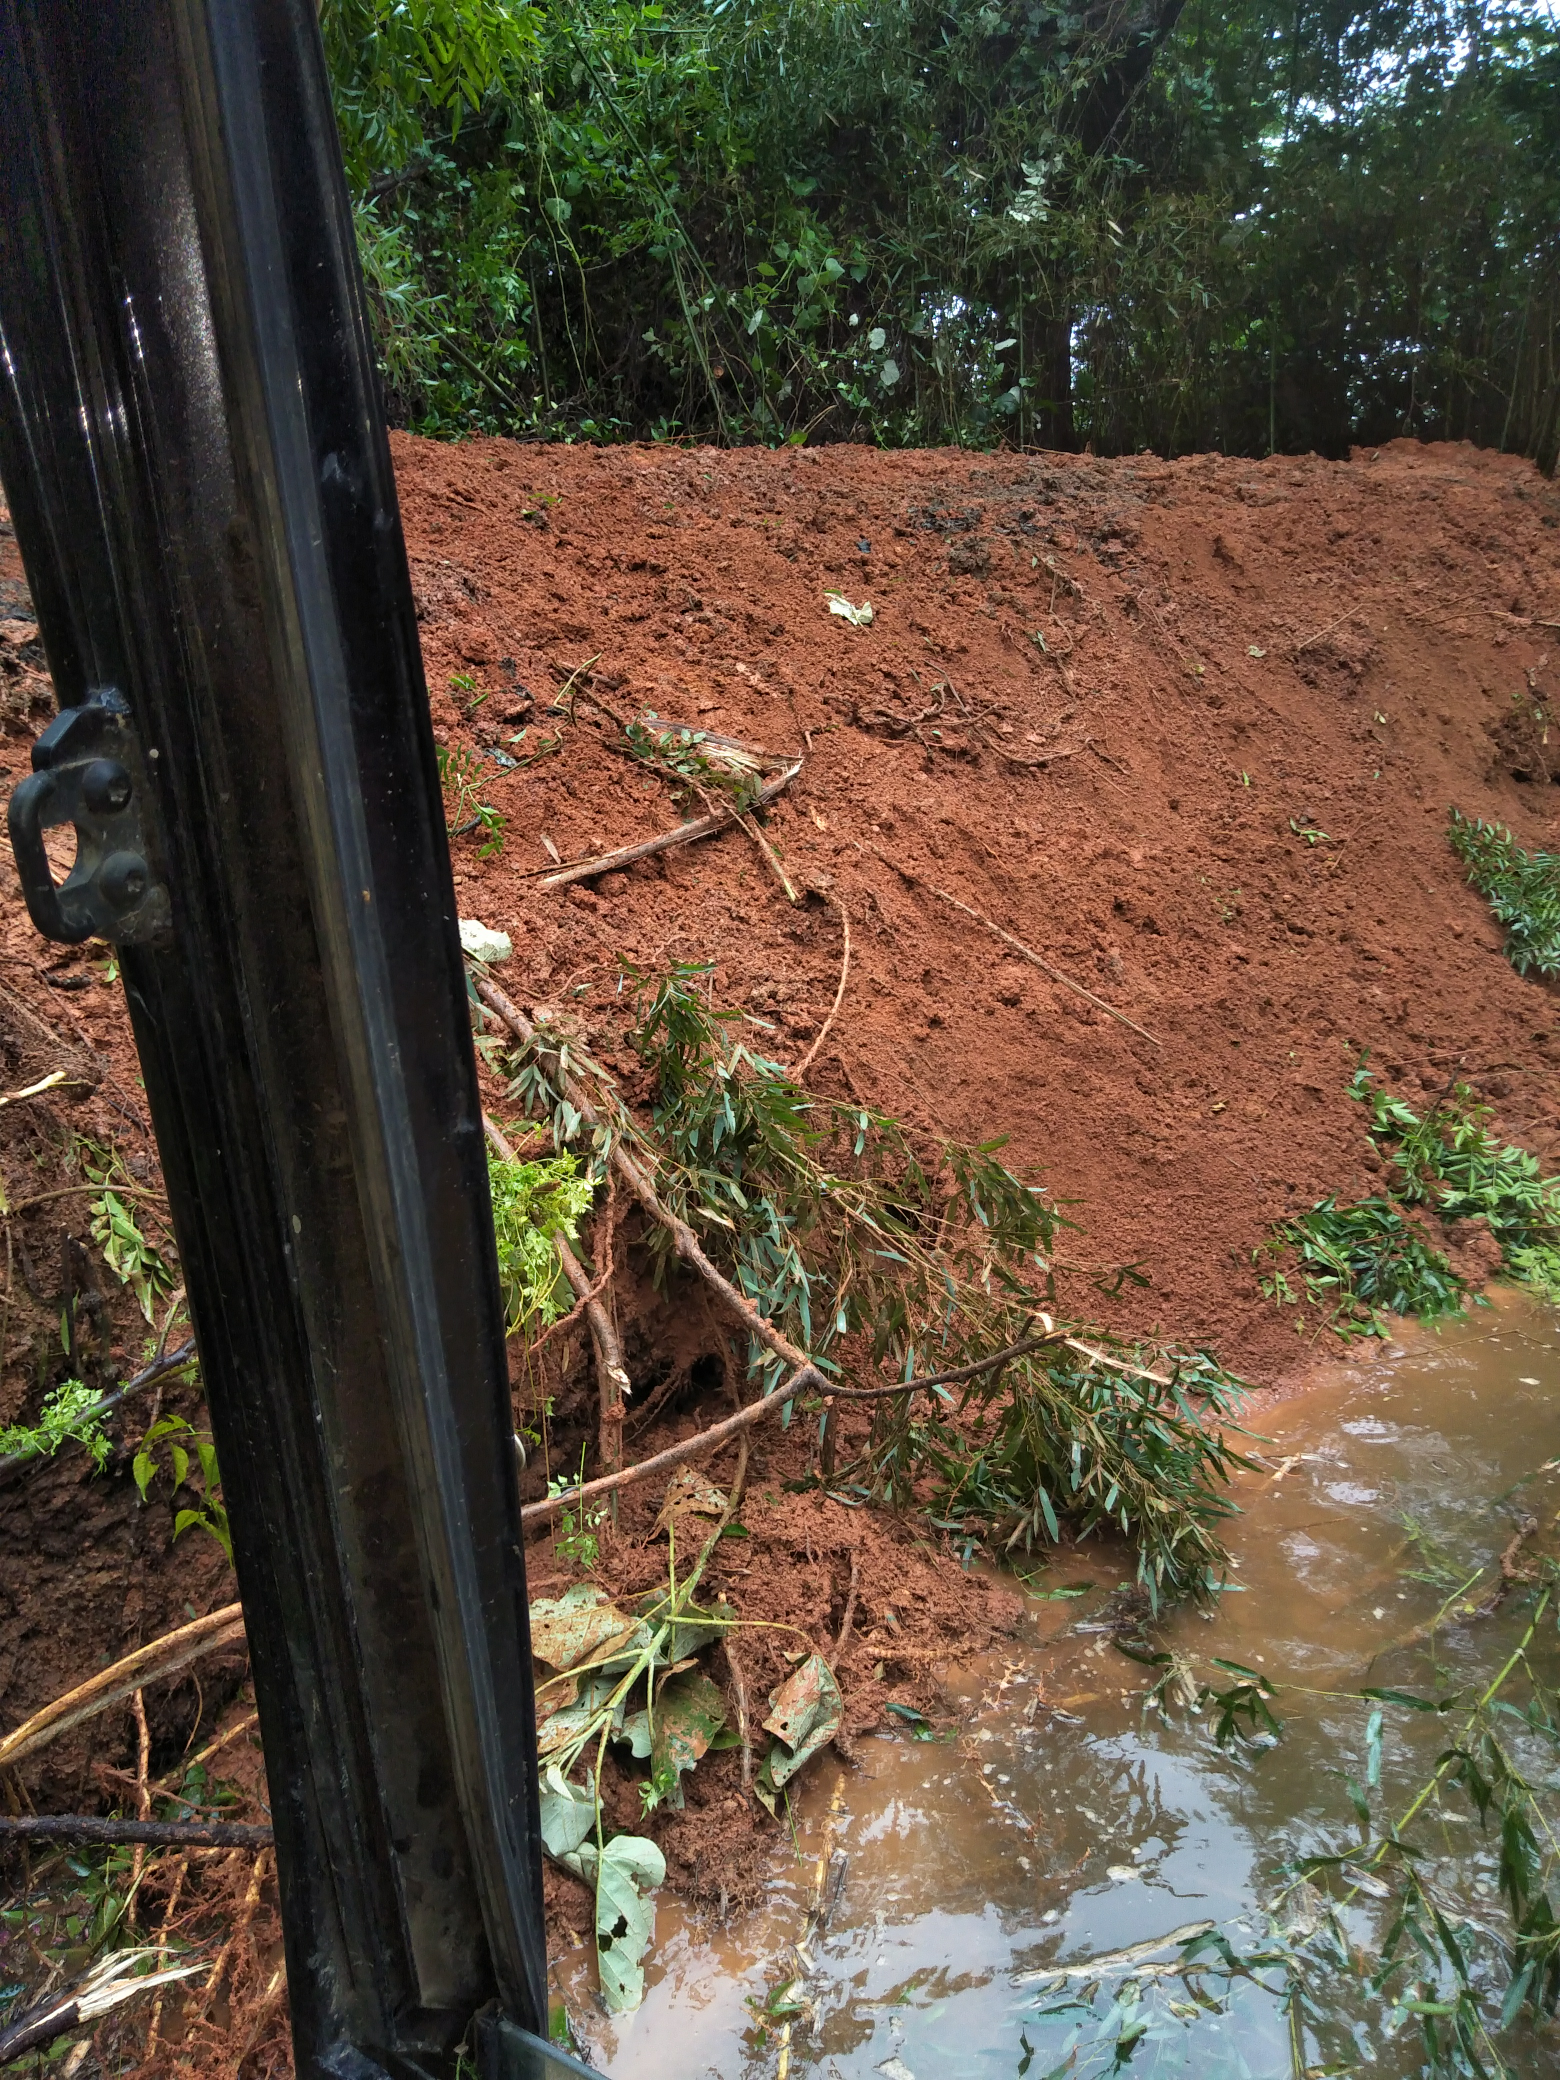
87, 772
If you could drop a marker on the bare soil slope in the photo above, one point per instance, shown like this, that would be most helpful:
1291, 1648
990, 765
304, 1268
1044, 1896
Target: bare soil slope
1103, 703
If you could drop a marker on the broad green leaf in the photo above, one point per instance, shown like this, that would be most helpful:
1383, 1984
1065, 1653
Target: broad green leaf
568, 1813
625, 1873
689, 1712
578, 1626
804, 1714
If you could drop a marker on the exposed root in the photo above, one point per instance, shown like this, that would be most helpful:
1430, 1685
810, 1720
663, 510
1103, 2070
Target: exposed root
152, 1663
808, 1058
740, 1686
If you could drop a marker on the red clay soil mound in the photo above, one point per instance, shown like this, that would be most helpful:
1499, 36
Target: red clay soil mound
1189, 731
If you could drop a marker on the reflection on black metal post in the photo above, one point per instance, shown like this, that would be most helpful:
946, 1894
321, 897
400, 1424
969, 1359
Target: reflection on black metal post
197, 470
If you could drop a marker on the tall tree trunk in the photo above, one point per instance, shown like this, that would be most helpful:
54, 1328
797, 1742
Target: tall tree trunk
1048, 415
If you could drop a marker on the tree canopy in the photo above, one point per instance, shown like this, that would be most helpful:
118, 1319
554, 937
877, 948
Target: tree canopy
1289, 224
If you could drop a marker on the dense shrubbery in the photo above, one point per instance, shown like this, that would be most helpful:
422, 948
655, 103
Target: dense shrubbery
976, 220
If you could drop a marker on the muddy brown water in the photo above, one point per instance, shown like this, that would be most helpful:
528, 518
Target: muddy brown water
1058, 1819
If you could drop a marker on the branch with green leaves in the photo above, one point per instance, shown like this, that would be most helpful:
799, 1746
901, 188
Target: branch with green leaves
824, 1229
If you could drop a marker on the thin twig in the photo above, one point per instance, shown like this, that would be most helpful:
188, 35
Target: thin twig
1018, 946
40, 1025
176, 1776
152, 1663
161, 1834
839, 997
738, 1481
119, 1188
557, 701
143, 1794
1327, 631
1050, 1334
739, 816
685, 833
742, 1711
849, 1618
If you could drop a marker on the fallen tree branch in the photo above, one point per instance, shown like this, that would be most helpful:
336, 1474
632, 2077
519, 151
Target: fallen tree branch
805, 1374
806, 1377
107, 1988
685, 834
159, 1369
612, 1381
1117, 1960
152, 1663
684, 1241
810, 1056
157, 1834
1018, 946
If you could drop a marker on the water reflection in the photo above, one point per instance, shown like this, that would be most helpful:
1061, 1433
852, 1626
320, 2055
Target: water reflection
1065, 1821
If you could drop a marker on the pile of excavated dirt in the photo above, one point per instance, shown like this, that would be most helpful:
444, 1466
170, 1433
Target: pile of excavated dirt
1187, 731
1109, 705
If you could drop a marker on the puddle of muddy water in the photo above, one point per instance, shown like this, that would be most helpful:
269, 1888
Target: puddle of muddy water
1062, 1820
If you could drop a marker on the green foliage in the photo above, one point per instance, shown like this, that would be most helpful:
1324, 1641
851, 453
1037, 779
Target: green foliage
1356, 1261
65, 1417
534, 1203
1397, 1941
460, 775
577, 1539
1151, 225
708, 764
134, 1260
1449, 1160
602, 1656
208, 1512
1359, 1262
837, 1226
1522, 888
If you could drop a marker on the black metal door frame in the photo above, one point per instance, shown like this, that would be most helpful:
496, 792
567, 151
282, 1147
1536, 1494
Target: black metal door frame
197, 469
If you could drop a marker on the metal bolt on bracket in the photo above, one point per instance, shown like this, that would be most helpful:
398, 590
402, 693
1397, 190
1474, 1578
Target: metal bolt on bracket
83, 775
